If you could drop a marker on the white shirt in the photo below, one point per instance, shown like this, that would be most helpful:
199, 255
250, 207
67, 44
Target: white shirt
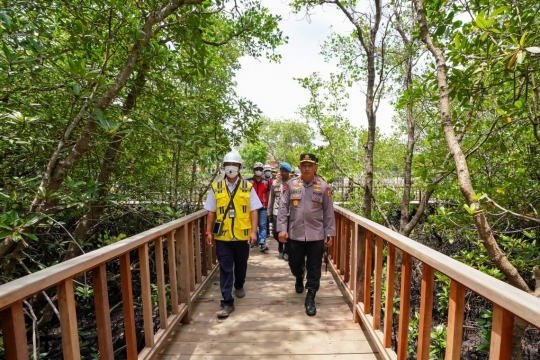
254, 202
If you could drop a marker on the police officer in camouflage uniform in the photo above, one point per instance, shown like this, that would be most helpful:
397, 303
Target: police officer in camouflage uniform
312, 226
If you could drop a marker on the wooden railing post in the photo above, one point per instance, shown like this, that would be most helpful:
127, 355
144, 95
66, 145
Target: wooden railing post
337, 255
404, 306
146, 296
198, 255
183, 272
127, 305
354, 244
103, 318
426, 308
389, 306
14, 332
162, 293
171, 253
377, 289
360, 259
348, 252
68, 320
501, 334
191, 257
367, 272
344, 242
455, 321
204, 249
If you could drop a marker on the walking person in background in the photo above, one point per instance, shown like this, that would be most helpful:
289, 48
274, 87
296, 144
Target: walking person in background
274, 174
262, 188
267, 169
310, 228
232, 206
273, 207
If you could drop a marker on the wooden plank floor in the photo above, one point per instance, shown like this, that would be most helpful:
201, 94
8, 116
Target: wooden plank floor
270, 322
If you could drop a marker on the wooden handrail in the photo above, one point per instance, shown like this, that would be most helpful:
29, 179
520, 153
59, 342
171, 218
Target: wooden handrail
508, 301
32, 284
356, 259
187, 258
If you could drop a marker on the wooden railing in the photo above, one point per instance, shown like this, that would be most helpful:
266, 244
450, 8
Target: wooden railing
357, 259
190, 264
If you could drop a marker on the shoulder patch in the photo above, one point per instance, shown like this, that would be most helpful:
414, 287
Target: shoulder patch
328, 191
285, 188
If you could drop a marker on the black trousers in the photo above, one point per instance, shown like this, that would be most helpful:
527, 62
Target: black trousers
308, 255
282, 247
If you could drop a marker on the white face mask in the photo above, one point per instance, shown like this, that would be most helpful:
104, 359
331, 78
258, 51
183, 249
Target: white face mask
231, 171
258, 172
267, 174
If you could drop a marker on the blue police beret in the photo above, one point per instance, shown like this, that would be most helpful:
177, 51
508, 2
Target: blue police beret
285, 166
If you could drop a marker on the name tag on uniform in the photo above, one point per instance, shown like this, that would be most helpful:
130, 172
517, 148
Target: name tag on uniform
231, 213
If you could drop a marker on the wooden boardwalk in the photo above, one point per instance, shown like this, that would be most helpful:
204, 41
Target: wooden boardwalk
270, 322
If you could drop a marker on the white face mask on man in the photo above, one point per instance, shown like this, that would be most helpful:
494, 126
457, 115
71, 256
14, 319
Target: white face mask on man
231, 171
258, 172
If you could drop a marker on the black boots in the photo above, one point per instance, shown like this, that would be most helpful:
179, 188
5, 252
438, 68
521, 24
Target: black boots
299, 285
311, 310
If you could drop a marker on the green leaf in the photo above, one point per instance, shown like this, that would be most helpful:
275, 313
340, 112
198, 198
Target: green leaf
4, 233
26, 60
440, 30
498, 11
99, 115
481, 22
457, 40
518, 104
30, 236
76, 89
501, 111
471, 209
5, 19
522, 40
4, 226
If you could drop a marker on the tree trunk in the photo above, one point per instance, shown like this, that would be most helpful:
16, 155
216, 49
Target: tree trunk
368, 44
464, 179
97, 208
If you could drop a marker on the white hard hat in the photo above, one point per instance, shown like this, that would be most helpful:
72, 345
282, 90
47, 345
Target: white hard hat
267, 167
258, 165
232, 157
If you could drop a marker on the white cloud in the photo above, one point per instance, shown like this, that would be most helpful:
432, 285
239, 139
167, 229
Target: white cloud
272, 87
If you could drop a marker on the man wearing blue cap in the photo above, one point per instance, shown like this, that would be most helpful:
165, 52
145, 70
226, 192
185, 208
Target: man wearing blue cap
273, 206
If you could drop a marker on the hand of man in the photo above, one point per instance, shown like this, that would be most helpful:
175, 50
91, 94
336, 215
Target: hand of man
253, 238
209, 239
329, 241
283, 236
269, 214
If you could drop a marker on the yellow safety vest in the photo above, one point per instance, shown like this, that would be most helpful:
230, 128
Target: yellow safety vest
238, 227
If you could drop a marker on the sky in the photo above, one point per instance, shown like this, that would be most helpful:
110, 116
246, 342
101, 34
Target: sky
271, 85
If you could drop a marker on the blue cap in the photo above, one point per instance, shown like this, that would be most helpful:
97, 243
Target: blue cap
285, 166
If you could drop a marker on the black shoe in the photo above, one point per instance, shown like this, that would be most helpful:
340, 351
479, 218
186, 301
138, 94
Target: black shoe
299, 285
263, 248
311, 310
